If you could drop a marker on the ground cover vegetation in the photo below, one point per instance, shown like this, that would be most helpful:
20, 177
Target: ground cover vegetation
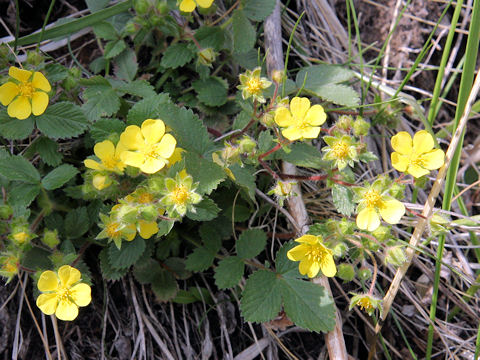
181, 181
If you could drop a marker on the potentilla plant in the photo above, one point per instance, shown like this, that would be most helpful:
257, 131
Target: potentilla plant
109, 161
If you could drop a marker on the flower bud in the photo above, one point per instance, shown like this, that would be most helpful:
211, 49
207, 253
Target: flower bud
364, 274
149, 213
162, 7
9, 266
207, 57
141, 6
345, 272
5, 211
247, 145
101, 182
395, 256
277, 76
21, 237
34, 58
50, 238
360, 127
382, 233
344, 122
268, 119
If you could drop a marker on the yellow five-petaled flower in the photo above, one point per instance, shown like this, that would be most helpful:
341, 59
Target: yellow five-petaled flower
300, 121
148, 147
63, 293
25, 94
416, 157
313, 256
190, 5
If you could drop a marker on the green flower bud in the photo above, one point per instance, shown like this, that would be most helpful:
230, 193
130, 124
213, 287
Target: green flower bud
364, 274
339, 249
421, 182
131, 28
360, 127
268, 119
34, 58
5, 211
395, 256
141, 6
382, 233
132, 171
344, 122
69, 83
207, 57
156, 184
162, 7
247, 145
126, 214
397, 190
149, 213
346, 272
50, 238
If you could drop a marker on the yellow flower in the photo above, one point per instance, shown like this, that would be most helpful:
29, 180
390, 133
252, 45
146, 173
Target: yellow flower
63, 293
109, 156
301, 121
114, 230
25, 95
190, 5
20, 237
416, 157
252, 85
313, 256
374, 203
180, 195
341, 150
149, 148
366, 302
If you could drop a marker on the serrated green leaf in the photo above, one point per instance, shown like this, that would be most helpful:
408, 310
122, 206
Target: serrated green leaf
302, 154
128, 254
113, 48
211, 91
147, 271
205, 210
76, 223
177, 55
165, 286
22, 194
338, 94
210, 235
177, 267
258, 10
103, 128
47, 149
102, 101
108, 271
200, 259
164, 227
37, 259
62, 120
148, 108
206, 173
307, 304
261, 300
229, 272
192, 295
245, 179
18, 168
187, 128
343, 199
14, 129
251, 243
248, 60
126, 65
105, 30
140, 88
213, 37
265, 142
55, 72
323, 74
59, 176
244, 34
284, 266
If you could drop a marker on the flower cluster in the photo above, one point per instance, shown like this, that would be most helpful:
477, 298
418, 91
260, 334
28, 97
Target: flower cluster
252, 85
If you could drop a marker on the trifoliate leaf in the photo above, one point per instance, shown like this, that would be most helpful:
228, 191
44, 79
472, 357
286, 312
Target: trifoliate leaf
146, 109
113, 48
62, 120
229, 272
206, 173
210, 37
76, 223
165, 286
104, 128
128, 254
47, 149
102, 100
126, 65
258, 10
14, 129
211, 91
108, 271
200, 259
37, 258
20, 169
307, 304
251, 243
244, 34
261, 300
177, 55
343, 199
59, 176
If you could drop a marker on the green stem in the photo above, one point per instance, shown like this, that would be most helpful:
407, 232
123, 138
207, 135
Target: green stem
50, 8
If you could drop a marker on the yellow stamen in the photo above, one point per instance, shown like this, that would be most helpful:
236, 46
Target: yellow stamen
365, 304
179, 195
112, 230
145, 198
340, 150
254, 85
26, 89
372, 198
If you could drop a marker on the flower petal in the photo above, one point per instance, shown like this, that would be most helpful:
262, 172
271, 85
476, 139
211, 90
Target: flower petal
166, 147
20, 108
304, 266
48, 281
433, 160
299, 107
39, 81
147, 229
19, 74
132, 158
399, 161
314, 269
47, 303
68, 275
92, 164
66, 310
307, 239
422, 142
153, 130
39, 102
315, 116
368, 219
292, 133
392, 211
8, 91
132, 138
205, 3
328, 266
297, 253
152, 165
101, 182
402, 143
310, 132
283, 117
187, 5
104, 150
417, 171
81, 294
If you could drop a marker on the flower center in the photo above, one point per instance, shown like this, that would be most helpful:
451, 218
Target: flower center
110, 163
179, 195
254, 85
340, 150
21, 237
64, 294
365, 304
112, 230
316, 254
372, 198
26, 89
417, 160
145, 198
9, 266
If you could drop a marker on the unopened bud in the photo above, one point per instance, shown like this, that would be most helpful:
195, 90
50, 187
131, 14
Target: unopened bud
50, 238
101, 182
277, 76
344, 122
149, 213
34, 58
247, 145
395, 256
360, 127
364, 274
345, 272
5, 211
207, 57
